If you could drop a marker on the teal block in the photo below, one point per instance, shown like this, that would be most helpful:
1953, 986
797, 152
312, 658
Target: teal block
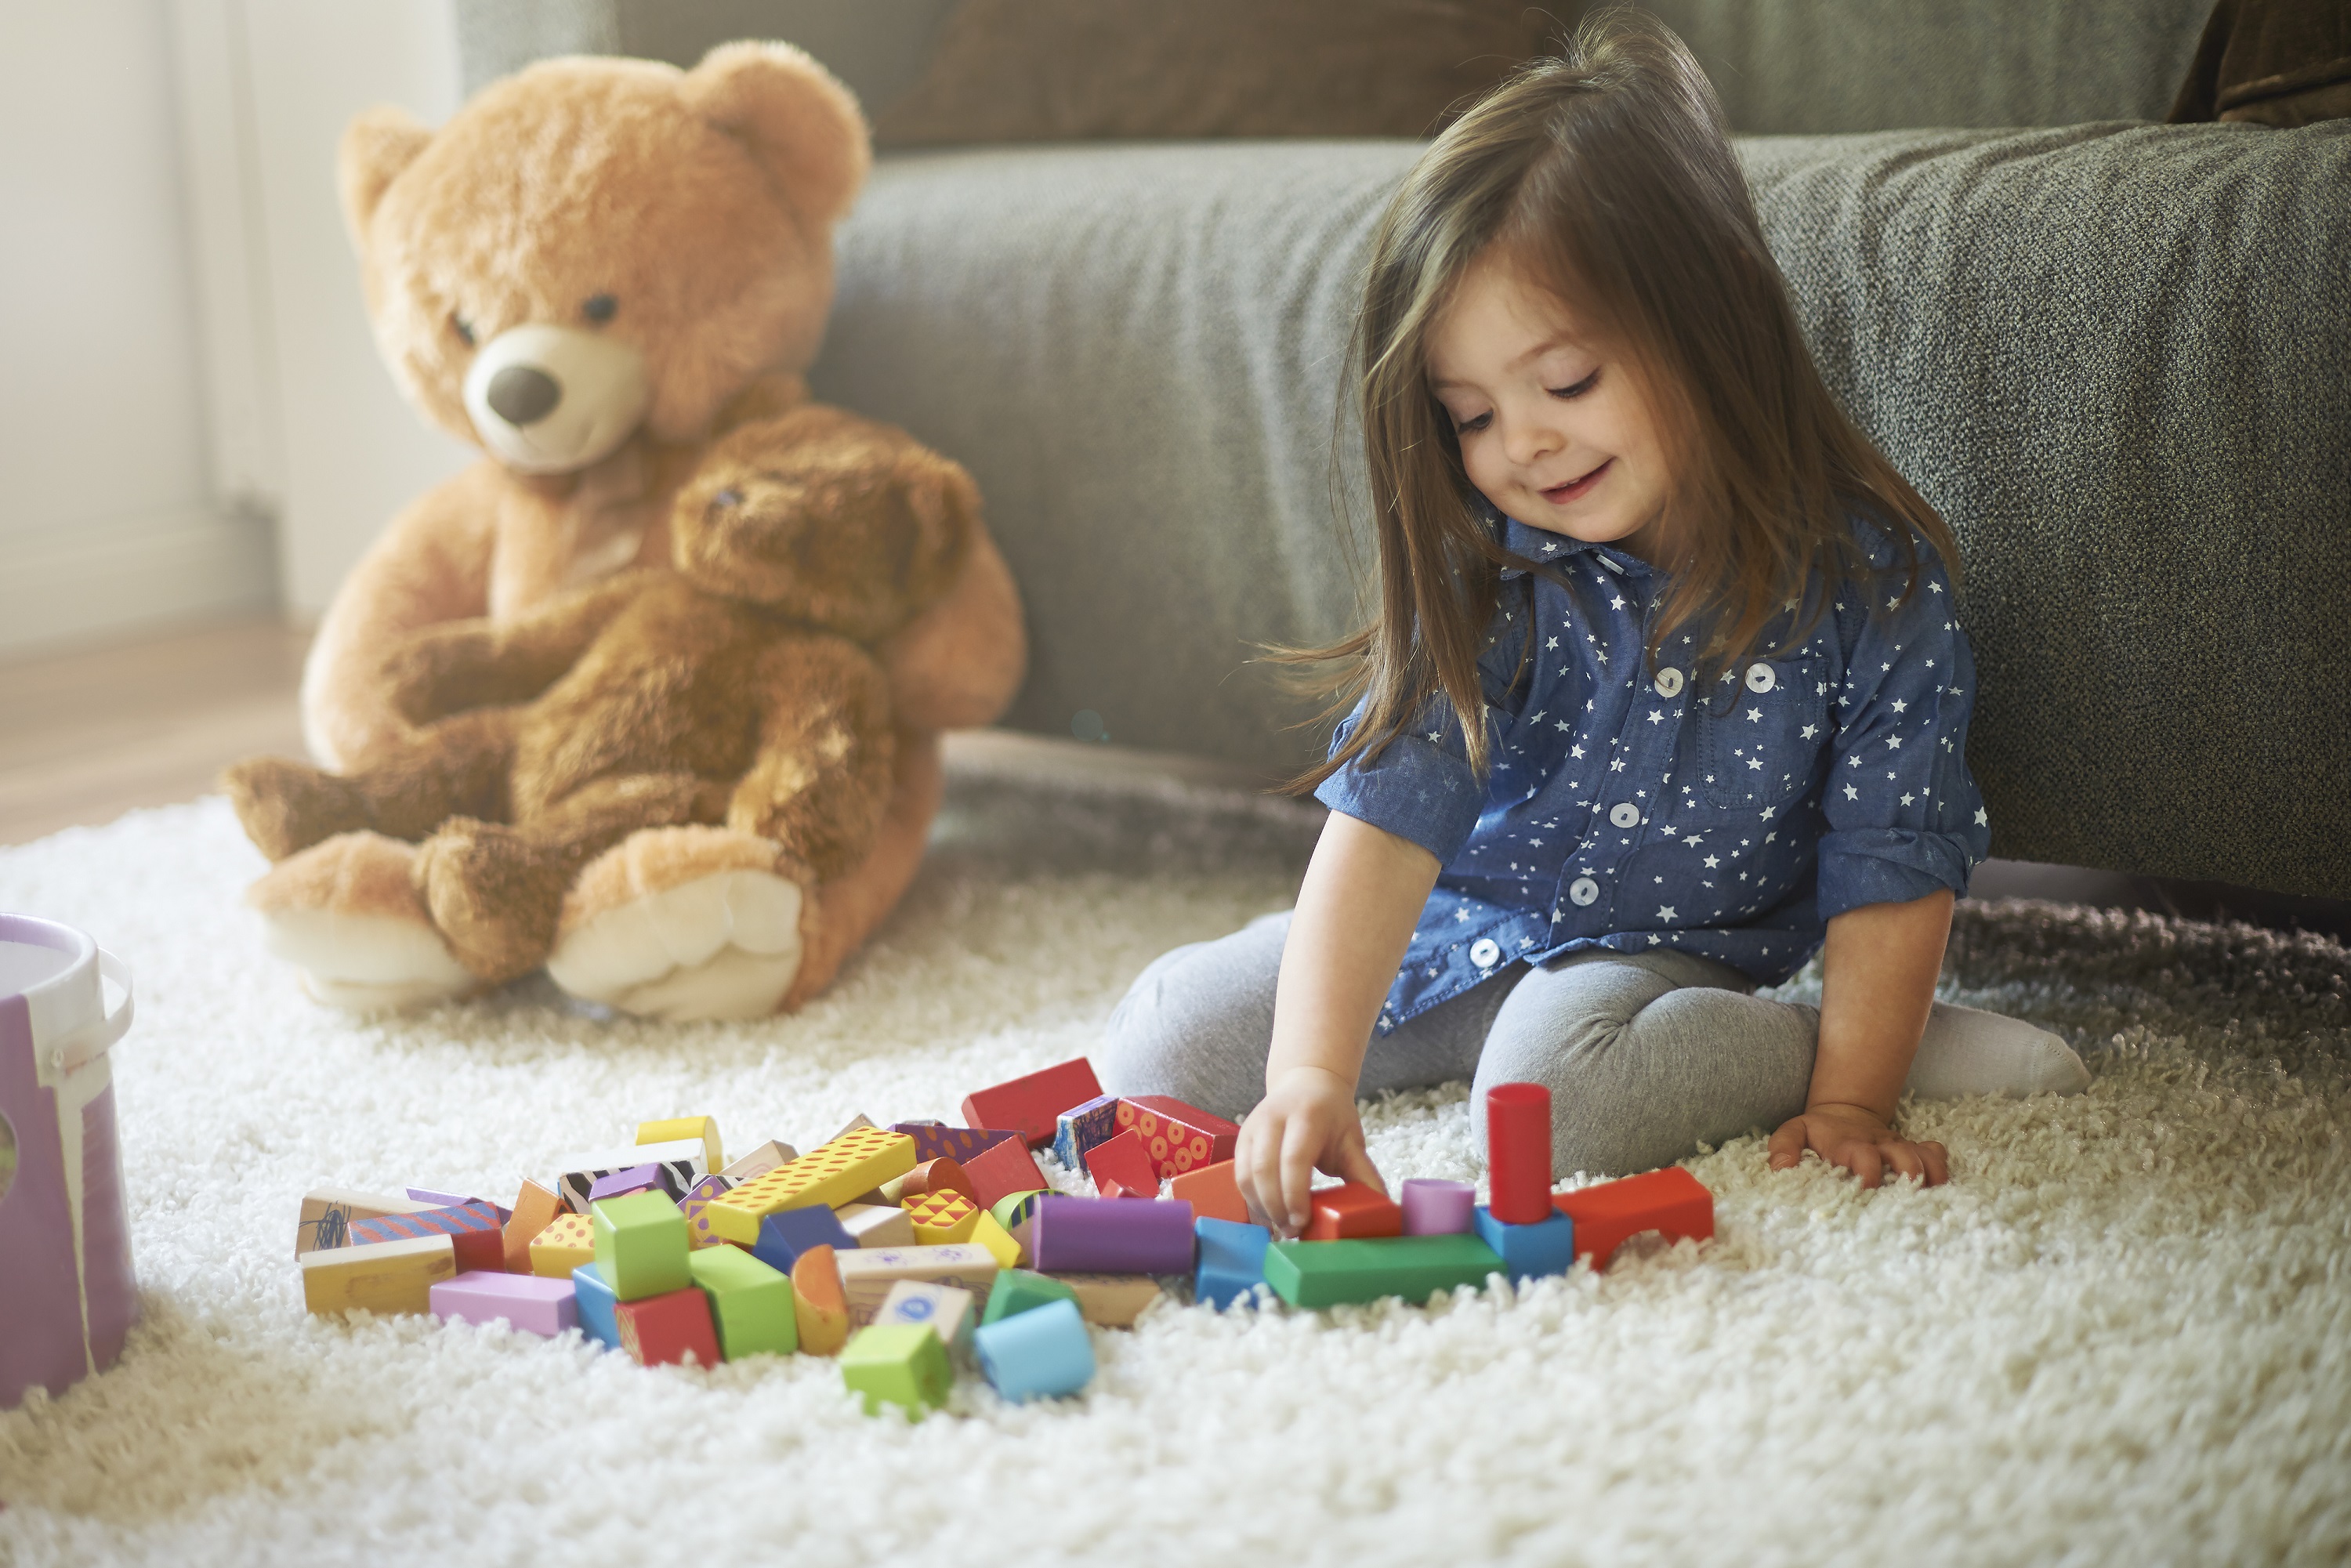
1040, 1353
1329, 1273
1021, 1291
1528, 1252
596, 1303
1232, 1260
641, 1245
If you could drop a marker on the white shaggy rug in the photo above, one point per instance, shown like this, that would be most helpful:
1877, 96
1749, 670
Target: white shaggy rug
2119, 1335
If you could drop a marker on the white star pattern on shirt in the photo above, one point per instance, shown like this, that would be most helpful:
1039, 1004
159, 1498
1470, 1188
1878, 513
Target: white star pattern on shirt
1712, 862
1665, 912
1851, 793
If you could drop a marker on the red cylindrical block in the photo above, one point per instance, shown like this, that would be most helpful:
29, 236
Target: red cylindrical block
1518, 1152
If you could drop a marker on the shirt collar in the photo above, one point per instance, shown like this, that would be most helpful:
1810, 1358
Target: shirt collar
1540, 544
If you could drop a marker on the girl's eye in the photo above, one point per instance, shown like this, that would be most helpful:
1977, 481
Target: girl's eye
462, 328
1578, 389
1471, 426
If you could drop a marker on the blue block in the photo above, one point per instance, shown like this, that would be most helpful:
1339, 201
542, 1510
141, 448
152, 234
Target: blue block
1232, 1260
1081, 1127
1528, 1251
1040, 1353
596, 1301
784, 1236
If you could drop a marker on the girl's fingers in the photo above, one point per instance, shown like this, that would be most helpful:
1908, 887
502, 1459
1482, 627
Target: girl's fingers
1937, 1161
1257, 1172
1904, 1158
1787, 1145
1297, 1151
1354, 1164
1861, 1160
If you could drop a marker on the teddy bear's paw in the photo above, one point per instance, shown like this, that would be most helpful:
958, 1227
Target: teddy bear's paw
684, 923
494, 893
347, 913
286, 807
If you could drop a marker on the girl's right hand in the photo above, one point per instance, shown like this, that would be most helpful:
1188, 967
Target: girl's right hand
1307, 1121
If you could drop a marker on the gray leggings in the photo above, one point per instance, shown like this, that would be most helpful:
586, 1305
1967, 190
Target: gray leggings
1646, 1055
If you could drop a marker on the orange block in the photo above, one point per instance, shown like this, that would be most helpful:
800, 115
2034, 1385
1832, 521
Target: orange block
534, 1208
1352, 1211
819, 1302
1671, 1202
1213, 1192
941, 1174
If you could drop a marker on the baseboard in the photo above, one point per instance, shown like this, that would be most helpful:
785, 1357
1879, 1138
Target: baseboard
103, 578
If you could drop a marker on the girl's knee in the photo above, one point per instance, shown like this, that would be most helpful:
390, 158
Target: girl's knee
1191, 1026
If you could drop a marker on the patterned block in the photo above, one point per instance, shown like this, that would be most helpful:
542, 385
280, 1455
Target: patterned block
947, 1310
943, 1219
328, 1214
636, 1178
698, 1233
681, 1159
1003, 1170
563, 1246
862, 1158
1081, 1127
1178, 1138
937, 1141
867, 1274
473, 1230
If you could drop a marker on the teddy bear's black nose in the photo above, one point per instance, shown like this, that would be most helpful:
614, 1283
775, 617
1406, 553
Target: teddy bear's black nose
523, 394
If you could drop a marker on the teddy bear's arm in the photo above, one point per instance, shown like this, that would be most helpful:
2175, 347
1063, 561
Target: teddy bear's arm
477, 662
820, 781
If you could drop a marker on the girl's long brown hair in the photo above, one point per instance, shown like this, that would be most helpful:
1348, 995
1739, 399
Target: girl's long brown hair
1605, 178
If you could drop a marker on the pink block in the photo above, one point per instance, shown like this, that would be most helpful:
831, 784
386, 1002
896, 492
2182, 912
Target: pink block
531, 1302
1432, 1207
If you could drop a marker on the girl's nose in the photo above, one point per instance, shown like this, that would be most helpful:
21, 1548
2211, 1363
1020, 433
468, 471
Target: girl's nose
1530, 441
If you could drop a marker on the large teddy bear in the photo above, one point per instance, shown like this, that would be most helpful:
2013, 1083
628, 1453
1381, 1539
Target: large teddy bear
596, 271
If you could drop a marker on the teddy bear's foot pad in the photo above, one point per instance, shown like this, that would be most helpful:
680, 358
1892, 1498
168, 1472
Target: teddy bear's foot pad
346, 912
725, 945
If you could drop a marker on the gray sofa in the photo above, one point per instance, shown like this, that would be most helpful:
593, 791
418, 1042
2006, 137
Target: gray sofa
2116, 354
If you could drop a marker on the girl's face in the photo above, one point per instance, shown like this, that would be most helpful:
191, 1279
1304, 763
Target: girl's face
1552, 432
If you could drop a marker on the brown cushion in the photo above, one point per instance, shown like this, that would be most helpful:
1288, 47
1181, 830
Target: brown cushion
2274, 62
1050, 70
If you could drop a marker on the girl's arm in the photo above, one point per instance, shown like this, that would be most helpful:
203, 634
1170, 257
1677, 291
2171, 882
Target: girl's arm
1362, 895
1878, 980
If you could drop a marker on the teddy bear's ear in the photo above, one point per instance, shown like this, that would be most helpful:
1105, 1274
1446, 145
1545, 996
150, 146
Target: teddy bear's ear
377, 145
799, 122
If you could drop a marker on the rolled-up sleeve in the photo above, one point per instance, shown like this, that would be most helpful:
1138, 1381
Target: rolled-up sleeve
1903, 815
1420, 787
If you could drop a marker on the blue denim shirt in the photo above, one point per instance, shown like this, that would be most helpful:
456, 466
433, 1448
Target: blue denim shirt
1627, 811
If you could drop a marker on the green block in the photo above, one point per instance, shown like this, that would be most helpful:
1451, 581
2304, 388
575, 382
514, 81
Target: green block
1018, 1290
1327, 1273
640, 1245
1014, 1207
902, 1363
750, 1303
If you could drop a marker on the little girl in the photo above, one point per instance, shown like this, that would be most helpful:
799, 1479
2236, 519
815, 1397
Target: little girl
1666, 688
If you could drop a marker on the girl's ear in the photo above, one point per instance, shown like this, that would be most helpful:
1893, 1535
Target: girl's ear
799, 122
377, 145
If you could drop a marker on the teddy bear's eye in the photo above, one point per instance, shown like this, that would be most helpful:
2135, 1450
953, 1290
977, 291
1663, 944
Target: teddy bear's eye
600, 307
462, 328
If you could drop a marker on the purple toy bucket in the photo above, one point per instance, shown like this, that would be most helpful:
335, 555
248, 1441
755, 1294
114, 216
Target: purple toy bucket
67, 1297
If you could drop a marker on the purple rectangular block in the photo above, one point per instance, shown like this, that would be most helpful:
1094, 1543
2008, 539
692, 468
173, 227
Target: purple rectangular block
1112, 1235
620, 1183
1432, 1207
937, 1141
531, 1302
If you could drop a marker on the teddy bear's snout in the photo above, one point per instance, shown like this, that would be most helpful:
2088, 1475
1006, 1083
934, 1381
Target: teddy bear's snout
553, 399
524, 394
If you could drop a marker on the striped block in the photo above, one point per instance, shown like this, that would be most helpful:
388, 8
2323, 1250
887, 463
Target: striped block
854, 1163
680, 1158
473, 1228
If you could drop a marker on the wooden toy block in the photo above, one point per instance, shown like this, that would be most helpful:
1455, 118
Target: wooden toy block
1528, 1251
453, 1200
943, 1219
1178, 1138
1232, 1260
534, 1208
820, 1308
563, 1246
751, 1305
784, 1237
947, 1310
1122, 1160
760, 1161
1032, 1105
941, 1174
1518, 1152
830, 1175
698, 1233
681, 1157
867, 1274
858, 1124
1081, 1127
533, 1305
662, 1330
1037, 1355
876, 1224
1327, 1273
378, 1276
1432, 1207
1002, 1169
705, 1128
640, 1245
1212, 1192
472, 1228
1353, 1211
1020, 1290
1000, 1243
1671, 1202
596, 1305
937, 1141
636, 1178
897, 1363
1112, 1300
328, 1213
1110, 1236
1016, 1208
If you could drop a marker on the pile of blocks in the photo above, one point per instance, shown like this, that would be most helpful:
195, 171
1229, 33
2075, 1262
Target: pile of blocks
910, 1250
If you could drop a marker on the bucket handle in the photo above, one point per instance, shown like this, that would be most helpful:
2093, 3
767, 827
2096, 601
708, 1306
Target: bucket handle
96, 1039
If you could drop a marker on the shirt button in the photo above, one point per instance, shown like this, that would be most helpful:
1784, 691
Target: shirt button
1760, 677
1583, 890
1484, 952
1624, 814
1669, 683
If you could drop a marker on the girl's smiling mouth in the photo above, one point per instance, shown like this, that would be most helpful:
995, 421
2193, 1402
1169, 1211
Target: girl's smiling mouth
1576, 490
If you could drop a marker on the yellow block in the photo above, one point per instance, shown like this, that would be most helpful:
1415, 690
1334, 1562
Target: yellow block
379, 1276
714, 1157
943, 1219
564, 1246
857, 1160
1007, 1252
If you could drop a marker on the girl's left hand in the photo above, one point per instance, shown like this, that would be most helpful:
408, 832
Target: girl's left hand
1859, 1141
